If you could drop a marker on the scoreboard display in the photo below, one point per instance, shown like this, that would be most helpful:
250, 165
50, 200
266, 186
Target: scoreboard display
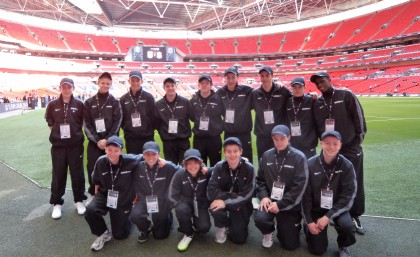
152, 54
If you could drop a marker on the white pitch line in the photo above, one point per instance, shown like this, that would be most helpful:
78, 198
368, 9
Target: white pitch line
392, 218
393, 119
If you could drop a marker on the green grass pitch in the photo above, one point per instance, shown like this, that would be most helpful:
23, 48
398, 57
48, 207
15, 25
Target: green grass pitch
392, 153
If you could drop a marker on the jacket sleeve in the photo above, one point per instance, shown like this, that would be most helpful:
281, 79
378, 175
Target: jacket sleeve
116, 117
262, 191
123, 117
300, 181
213, 189
89, 123
345, 200
306, 204
48, 115
247, 191
174, 192
357, 115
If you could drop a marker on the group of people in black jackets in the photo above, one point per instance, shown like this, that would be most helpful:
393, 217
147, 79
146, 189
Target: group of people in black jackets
292, 181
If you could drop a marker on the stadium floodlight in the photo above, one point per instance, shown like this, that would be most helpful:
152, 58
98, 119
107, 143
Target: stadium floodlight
88, 6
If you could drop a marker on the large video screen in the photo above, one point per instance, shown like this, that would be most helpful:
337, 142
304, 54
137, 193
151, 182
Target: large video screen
151, 54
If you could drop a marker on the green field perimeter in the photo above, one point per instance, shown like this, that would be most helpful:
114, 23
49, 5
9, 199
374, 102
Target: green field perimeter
392, 153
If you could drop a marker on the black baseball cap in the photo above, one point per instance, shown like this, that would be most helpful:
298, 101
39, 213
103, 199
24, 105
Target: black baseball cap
169, 79
115, 140
331, 133
280, 130
231, 70
151, 146
105, 75
205, 76
297, 80
319, 74
232, 141
192, 154
267, 69
68, 81
135, 73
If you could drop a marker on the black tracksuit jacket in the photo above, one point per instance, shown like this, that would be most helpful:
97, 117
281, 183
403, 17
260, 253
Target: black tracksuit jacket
305, 115
181, 189
111, 112
123, 179
347, 112
276, 101
145, 106
221, 182
211, 107
294, 174
343, 184
183, 112
240, 101
54, 116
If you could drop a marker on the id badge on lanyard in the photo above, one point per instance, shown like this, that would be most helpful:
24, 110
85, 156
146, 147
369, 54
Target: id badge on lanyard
329, 124
230, 116
295, 128
152, 204
112, 199
204, 123
278, 190
135, 119
173, 126
100, 125
64, 130
268, 117
326, 199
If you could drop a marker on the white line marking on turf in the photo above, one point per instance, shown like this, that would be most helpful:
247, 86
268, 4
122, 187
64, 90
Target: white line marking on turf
392, 218
20, 173
392, 119
38, 212
6, 192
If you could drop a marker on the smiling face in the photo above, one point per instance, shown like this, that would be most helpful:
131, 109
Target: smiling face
330, 147
170, 89
323, 84
151, 158
113, 153
135, 84
298, 90
193, 166
231, 80
233, 154
104, 85
205, 86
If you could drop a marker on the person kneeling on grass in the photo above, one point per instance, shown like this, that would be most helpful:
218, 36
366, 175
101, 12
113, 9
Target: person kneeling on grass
230, 191
151, 182
329, 196
188, 194
114, 193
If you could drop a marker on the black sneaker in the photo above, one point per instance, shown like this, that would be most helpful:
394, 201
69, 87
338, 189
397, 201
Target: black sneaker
359, 228
144, 234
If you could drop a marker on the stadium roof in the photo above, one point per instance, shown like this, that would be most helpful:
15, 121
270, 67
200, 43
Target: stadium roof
191, 15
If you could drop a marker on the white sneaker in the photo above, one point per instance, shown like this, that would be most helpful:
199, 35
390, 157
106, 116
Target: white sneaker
344, 252
184, 243
220, 235
101, 240
81, 208
267, 241
56, 213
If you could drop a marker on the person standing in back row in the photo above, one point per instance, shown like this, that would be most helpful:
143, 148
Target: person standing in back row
269, 102
301, 120
173, 114
138, 108
65, 120
340, 110
102, 117
208, 123
237, 114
